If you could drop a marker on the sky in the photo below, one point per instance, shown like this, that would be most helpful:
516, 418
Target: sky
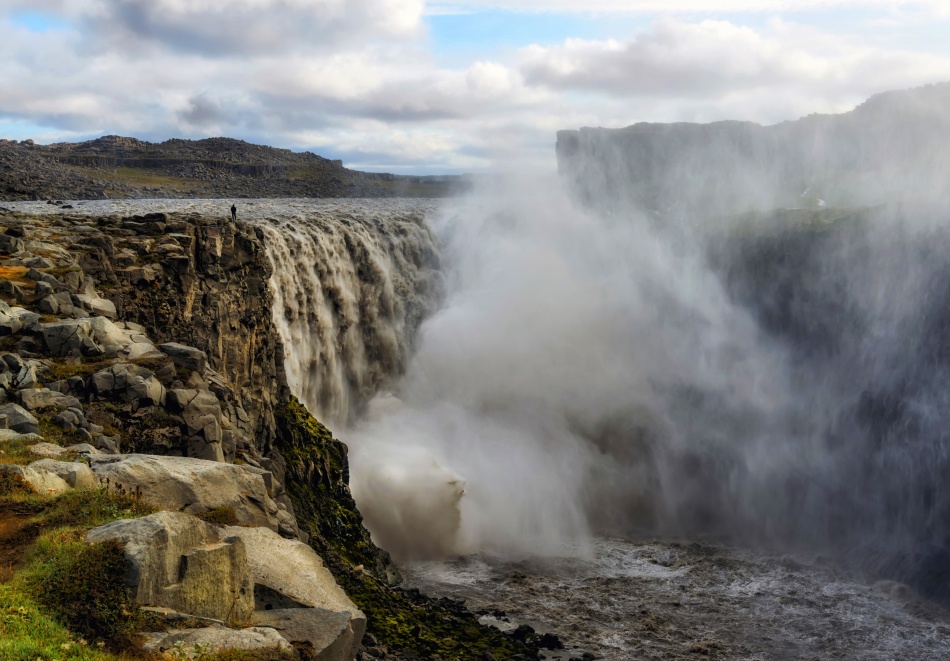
446, 86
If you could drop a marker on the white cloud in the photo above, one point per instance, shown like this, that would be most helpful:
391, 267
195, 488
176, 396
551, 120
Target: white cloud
674, 6
719, 60
359, 79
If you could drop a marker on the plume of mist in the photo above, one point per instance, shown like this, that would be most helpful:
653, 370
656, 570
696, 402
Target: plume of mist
620, 366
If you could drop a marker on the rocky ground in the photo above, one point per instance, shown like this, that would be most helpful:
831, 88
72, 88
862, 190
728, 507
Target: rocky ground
81, 389
114, 167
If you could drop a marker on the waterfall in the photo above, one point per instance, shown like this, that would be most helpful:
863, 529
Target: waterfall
352, 281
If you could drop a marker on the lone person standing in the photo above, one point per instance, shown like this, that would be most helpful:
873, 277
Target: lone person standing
233, 213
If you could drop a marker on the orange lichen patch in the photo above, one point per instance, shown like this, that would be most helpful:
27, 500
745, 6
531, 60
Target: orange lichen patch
12, 272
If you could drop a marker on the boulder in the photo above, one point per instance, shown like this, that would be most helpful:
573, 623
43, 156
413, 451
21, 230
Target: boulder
216, 638
42, 481
293, 569
96, 305
11, 322
188, 357
288, 573
142, 351
11, 289
317, 634
192, 485
36, 399
10, 245
26, 377
76, 475
48, 450
19, 419
128, 382
177, 561
70, 337
112, 338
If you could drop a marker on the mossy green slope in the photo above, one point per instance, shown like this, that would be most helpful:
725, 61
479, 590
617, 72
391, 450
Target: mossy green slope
403, 620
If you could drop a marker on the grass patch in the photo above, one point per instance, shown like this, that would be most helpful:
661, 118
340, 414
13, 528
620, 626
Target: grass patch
83, 586
62, 370
14, 487
57, 435
13, 272
68, 592
28, 632
18, 452
89, 508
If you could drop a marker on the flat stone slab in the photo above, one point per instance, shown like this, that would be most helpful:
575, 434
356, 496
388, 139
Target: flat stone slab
216, 638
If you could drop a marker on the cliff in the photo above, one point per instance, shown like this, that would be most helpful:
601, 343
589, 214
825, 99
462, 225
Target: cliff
143, 371
895, 146
120, 167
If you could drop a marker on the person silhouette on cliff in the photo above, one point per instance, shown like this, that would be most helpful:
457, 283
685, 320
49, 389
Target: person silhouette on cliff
233, 213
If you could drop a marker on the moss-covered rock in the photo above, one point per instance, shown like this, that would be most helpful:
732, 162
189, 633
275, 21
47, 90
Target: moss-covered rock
404, 620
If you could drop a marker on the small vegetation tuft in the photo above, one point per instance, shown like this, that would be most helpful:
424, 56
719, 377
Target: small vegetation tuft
220, 516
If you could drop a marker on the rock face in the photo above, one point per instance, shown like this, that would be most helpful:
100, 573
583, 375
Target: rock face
180, 562
191, 485
894, 146
285, 570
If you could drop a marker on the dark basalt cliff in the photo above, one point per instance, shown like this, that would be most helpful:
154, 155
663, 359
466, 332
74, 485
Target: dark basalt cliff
894, 146
120, 167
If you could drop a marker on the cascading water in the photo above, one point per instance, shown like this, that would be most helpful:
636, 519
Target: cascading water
352, 281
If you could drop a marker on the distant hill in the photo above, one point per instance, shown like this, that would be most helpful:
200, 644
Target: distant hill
119, 167
893, 147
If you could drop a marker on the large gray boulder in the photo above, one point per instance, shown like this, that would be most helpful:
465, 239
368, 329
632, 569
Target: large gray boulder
70, 337
192, 485
19, 419
110, 337
15, 319
288, 569
215, 639
44, 482
36, 399
318, 634
77, 475
98, 306
177, 561
128, 382
185, 356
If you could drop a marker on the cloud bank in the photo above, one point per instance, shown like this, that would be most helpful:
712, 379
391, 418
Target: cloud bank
365, 80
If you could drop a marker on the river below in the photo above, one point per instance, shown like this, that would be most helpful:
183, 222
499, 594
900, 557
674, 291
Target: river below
662, 600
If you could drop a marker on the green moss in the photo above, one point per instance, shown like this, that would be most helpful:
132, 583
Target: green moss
403, 620
83, 586
62, 370
220, 516
57, 435
14, 487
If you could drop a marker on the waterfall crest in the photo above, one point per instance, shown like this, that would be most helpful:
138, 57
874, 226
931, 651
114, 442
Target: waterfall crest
352, 281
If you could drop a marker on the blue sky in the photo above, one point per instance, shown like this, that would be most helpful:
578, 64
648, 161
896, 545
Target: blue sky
447, 86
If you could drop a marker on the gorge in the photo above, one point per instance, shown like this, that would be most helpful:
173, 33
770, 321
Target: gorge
692, 401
